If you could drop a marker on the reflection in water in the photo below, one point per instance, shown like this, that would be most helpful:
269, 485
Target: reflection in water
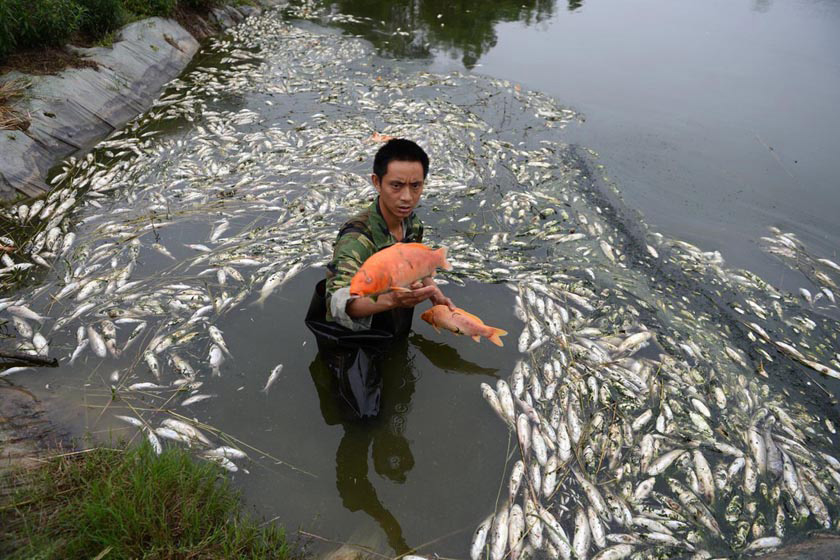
447, 358
392, 456
383, 436
575, 4
463, 28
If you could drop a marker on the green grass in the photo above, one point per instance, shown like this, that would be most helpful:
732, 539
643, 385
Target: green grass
107, 40
40, 23
132, 504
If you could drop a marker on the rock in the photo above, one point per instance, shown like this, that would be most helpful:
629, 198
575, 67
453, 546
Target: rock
249, 11
23, 164
222, 18
235, 14
273, 3
74, 109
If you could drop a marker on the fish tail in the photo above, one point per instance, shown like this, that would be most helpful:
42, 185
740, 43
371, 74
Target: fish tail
494, 338
445, 264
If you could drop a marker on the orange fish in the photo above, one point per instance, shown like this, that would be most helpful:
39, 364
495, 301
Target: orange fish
396, 267
376, 137
461, 322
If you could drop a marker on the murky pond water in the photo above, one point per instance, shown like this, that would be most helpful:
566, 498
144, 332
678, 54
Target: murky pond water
660, 402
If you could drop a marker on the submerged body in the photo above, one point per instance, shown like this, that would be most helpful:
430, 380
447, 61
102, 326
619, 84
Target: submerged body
461, 322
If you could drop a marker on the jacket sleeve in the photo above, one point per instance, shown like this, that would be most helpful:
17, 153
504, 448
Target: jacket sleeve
351, 250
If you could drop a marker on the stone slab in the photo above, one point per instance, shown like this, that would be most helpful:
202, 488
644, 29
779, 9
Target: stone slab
222, 17
76, 108
23, 162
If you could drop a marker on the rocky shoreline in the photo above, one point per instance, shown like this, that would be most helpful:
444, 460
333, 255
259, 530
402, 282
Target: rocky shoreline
71, 111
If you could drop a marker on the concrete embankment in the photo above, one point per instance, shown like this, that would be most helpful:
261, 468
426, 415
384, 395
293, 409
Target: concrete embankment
71, 111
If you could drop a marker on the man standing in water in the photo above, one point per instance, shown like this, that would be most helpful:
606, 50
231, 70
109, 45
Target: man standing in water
354, 334
400, 168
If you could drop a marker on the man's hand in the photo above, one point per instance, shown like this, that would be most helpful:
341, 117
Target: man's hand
416, 294
437, 297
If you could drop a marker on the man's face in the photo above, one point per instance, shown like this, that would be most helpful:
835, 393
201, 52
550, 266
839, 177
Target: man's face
400, 188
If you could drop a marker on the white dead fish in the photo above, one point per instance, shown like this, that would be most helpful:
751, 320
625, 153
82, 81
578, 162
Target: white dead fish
275, 373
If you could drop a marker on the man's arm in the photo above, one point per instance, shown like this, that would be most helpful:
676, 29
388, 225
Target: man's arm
351, 250
364, 307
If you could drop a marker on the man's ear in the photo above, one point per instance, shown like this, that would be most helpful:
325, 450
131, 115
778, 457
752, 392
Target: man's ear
374, 178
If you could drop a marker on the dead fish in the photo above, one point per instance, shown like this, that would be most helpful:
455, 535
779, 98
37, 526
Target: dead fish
275, 373
194, 399
97, 343
216, 359
216, 337
225, 451
25, 313
477, 546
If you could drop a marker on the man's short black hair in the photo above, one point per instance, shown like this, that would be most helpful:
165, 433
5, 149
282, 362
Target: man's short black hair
399, 149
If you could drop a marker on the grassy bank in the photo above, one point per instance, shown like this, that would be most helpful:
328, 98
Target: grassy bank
130, 503
40, 24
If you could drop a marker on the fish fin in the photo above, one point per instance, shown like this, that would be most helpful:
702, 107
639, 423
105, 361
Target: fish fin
445, 265
399, 289
494, 338
476, 338
437, 330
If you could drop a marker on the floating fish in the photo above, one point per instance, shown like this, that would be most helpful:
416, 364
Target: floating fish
275, 373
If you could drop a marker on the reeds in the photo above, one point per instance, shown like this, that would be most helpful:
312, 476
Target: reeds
10, 119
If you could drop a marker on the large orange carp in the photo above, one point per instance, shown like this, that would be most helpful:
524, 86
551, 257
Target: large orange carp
396, 267
461, 322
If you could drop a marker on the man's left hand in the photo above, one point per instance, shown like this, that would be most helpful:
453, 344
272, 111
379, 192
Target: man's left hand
437, 297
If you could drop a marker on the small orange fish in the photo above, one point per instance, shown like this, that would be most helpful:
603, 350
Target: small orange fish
396, 267
377, 137
461, 322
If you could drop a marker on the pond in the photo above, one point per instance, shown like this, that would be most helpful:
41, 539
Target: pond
657, 395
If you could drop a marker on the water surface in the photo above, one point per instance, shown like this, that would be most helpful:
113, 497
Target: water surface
268, 135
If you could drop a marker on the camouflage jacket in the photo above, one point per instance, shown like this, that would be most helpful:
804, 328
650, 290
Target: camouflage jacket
359, 238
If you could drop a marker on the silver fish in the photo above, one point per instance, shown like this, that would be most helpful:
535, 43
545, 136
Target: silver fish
275, 373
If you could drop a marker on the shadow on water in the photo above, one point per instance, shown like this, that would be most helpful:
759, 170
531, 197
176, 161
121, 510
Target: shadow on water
382, 437
465, 29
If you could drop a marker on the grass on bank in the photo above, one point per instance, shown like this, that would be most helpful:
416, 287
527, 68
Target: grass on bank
36, 24
132, 504
9, 118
